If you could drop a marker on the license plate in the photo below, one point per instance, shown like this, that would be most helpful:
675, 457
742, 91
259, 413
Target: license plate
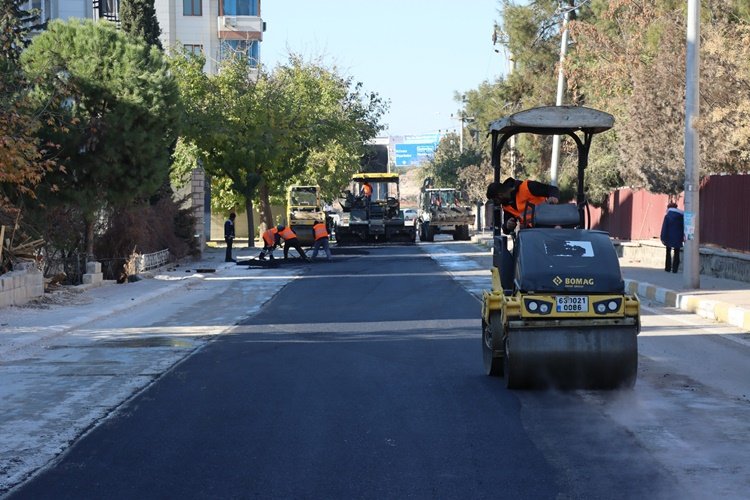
569, 304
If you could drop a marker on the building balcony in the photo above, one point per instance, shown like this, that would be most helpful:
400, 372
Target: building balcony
241, 27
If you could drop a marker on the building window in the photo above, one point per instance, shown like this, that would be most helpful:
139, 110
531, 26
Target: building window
192, 7
238, 7
248, 48
108, 9
193, 49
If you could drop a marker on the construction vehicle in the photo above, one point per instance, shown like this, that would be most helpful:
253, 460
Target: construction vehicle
441, 211
557, 314
377, 217
304, 210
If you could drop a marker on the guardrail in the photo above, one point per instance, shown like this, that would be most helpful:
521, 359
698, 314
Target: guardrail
152, 260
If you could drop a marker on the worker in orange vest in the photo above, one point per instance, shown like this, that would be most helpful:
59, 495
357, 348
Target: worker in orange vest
321, 240
291, 240
366, 190
270, 242
514, 196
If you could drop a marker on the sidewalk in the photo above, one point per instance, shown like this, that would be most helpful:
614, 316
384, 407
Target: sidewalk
51, 315
723, 300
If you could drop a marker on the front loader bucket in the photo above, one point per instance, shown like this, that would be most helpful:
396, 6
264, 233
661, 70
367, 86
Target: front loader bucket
571, 357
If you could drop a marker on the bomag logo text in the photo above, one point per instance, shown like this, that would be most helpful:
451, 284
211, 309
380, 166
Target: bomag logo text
579, 281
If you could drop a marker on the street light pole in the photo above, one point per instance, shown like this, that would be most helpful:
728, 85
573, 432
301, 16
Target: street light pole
691, 264
560, 90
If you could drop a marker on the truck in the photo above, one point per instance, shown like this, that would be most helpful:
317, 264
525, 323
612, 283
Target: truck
442, 211
374, 218
304, 210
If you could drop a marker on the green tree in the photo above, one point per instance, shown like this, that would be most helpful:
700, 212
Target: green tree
630, 61
335, 117
443, 168
262, 133
115, 106
138, 17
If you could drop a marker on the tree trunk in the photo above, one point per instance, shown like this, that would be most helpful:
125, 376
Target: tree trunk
89, 239
265, 205
250, 226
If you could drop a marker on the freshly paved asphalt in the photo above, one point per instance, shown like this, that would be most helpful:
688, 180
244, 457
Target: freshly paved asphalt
362, 379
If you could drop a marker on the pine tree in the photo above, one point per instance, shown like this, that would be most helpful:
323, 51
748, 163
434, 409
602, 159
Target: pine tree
116, 120
138, 17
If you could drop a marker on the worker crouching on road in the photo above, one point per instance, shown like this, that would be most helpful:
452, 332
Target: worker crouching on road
514, 195
321, 240
291, 240
270, 242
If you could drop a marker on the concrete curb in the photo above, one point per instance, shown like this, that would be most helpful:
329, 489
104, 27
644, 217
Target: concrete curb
723, 312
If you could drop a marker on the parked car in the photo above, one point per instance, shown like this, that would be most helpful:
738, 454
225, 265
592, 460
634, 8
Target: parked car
410, 215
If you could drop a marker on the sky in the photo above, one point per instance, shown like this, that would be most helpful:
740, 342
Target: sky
415, 53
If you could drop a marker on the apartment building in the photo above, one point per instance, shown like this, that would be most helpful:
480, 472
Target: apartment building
215, 28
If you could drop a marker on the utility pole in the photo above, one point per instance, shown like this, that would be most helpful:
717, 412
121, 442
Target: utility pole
691, 264
560, 89
512, 144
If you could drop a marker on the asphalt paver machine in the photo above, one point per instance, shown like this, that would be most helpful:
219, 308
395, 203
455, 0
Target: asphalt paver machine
377, 219
557, 314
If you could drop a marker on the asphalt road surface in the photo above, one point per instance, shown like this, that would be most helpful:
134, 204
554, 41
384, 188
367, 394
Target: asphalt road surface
361, 379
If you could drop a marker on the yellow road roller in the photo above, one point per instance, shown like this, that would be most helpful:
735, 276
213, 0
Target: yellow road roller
557, 314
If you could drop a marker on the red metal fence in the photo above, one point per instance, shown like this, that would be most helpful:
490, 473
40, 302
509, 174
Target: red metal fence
724, 213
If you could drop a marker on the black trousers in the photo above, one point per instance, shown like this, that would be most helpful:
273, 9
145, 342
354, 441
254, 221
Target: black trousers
228, 257
673, 260
293, 243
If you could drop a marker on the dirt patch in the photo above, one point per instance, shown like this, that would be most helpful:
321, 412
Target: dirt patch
62, 297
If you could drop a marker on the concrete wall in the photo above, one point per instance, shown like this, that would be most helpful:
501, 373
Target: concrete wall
240, 223
713, 261
20, 286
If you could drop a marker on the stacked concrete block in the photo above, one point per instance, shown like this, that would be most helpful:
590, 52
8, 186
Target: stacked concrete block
197, 196
20, 286
93, 276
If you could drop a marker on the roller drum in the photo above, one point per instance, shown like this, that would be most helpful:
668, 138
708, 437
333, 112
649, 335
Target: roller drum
580, 357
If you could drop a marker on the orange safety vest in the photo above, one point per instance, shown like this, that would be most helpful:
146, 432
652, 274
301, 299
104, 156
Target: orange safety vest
270, 236
287, 234
320, 231
367, 189
523, 196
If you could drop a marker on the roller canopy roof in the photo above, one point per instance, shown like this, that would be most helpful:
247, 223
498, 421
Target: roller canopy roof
554, 120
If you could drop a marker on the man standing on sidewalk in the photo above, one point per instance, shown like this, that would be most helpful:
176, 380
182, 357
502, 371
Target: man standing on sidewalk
672, 236
229, 236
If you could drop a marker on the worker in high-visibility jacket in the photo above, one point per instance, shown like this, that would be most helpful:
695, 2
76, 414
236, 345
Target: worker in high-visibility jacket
321, 240
514, 196
270, 242
291, 241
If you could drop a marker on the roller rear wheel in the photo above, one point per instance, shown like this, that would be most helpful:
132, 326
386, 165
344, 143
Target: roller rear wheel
492, 334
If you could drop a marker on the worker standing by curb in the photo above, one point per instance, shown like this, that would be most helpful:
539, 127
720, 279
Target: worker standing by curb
229, 236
